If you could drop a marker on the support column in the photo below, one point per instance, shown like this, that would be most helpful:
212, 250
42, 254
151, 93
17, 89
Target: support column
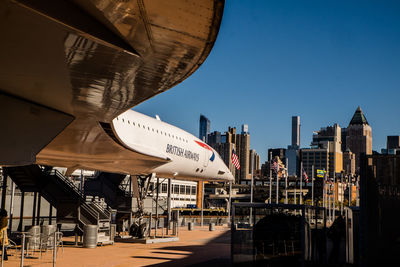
21, 213
38, 209
50, 214
169, 206
157, 194
230, 202
202, 203
11, 206
34, 208
4, 190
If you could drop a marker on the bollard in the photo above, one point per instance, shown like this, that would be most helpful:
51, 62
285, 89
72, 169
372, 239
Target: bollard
54, 249
211, 227
22, 250
2, 252
190, 226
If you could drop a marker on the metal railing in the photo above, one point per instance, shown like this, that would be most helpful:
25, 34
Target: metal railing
67, 181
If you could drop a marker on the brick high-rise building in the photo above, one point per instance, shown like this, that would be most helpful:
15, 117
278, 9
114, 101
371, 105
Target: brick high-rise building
254, 162
243, 153
224, 144
349, 162
359, 136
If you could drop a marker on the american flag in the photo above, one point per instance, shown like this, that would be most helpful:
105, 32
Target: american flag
275, 166
235, 160
305, 175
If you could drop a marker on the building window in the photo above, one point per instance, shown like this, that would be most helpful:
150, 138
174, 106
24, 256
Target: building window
164, 188
193, 190
188, 190
176, 189
182, 189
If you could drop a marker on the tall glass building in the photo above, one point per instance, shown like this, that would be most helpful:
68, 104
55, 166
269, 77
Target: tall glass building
204, 128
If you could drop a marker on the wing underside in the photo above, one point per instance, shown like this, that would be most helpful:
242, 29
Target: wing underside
91, 60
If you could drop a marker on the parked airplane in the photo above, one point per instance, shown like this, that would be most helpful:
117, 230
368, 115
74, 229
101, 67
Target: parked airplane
148, 145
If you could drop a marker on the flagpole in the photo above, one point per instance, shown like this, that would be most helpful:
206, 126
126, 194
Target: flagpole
251, 190
342, 193
230, 192
334, 196
312, 185
301, 183
270, 178
286, 177
277, 185
324, 189
329, 199
350, 188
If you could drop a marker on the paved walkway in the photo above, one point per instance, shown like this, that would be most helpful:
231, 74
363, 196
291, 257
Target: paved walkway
195, 248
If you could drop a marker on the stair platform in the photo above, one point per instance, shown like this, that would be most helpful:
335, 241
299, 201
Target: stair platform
149, 240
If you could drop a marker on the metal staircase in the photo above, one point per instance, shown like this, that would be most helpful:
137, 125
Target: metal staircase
62, 193
108, 186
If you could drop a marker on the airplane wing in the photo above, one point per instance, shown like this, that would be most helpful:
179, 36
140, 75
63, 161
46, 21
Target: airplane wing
81, 62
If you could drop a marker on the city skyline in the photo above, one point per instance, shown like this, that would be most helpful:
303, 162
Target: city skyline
275, 60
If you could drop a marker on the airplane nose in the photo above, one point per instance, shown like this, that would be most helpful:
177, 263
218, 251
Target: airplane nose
229, 176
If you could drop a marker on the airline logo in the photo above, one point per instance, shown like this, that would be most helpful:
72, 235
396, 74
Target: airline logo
203, 145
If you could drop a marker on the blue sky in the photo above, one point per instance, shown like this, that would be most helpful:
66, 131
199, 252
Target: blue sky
275, 59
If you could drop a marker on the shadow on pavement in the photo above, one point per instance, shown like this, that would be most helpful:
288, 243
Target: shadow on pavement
216, 252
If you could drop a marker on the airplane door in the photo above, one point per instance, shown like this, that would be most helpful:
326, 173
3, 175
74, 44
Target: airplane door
206, 157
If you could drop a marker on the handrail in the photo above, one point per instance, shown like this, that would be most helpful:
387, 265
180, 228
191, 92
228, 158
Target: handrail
59, 175
88, 209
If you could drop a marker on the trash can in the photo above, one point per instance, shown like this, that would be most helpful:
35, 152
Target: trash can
211, 227
190, 226
33, 238
90, 236
48, 234
48, 229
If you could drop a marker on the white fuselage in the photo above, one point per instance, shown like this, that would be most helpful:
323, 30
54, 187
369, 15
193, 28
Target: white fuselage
189, 157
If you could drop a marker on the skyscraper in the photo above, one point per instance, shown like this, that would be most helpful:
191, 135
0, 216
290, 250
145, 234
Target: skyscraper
245, 128
349, 162
325, 152
359, 136
296, 131
292, 152
214, 138
393, 142
224, 144
280, 152
254, 162
204, 129
243, 153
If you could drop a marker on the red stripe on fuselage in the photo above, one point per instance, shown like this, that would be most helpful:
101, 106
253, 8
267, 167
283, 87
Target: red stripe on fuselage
203, 145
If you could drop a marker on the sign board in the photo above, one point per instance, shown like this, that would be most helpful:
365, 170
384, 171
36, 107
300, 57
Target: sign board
320, 173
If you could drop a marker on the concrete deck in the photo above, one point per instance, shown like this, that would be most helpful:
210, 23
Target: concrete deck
199, 247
